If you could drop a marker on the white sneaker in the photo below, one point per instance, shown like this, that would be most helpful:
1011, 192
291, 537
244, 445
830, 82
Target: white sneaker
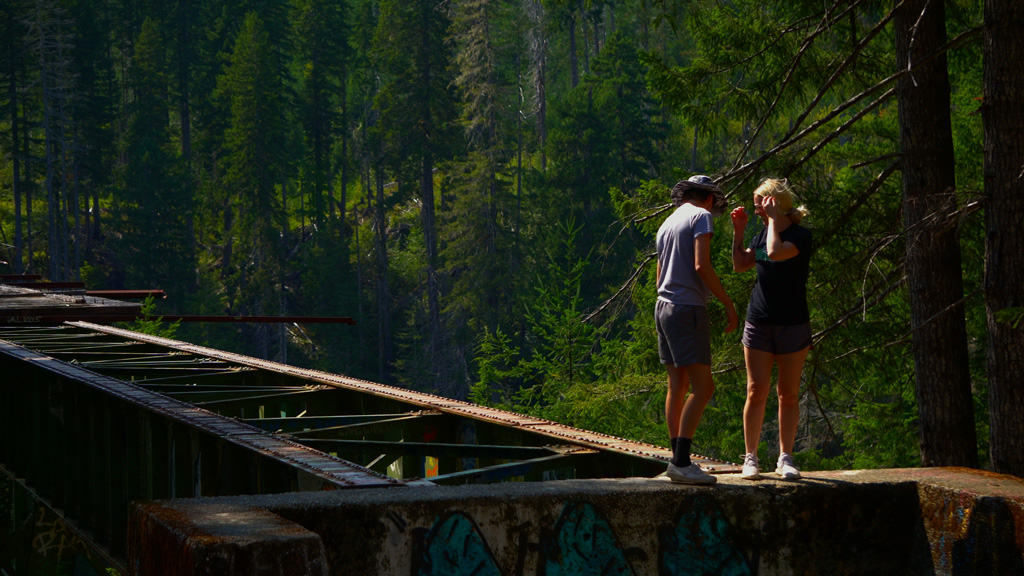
750, 469
785, 468
691, 474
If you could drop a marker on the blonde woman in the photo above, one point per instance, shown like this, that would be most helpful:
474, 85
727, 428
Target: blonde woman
777, 330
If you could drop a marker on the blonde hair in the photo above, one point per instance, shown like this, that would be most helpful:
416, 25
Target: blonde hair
779, 189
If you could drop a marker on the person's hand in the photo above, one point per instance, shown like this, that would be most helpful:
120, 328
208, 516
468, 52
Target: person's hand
732, 320
739, 218
771, 208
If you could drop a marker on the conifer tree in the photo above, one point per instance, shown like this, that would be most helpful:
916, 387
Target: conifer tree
256, 144
416, 107
934, 272
13, 72
1004, 249
477, 239
150, 206
50, 43
321, 34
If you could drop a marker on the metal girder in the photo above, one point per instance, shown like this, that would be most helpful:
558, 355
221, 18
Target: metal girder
357, 421
376, 425
435, 449
509, 470
296, 426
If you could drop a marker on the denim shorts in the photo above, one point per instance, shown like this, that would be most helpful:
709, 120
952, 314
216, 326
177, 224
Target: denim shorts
777, 339
684, 334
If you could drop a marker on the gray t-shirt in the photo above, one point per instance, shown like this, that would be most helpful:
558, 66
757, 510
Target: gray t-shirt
680, 283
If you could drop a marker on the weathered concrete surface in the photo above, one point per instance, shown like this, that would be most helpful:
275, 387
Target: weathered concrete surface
909, 521
218, 539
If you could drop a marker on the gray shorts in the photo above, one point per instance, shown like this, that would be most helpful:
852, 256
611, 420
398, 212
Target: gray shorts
684, 334
777, 339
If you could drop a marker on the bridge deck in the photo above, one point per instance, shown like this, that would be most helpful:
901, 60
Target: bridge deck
101, 416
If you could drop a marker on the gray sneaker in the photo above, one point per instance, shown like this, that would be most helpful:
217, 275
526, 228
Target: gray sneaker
750, 469
691, 474
786, 468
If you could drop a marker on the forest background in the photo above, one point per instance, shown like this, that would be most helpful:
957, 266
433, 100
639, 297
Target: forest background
478, 183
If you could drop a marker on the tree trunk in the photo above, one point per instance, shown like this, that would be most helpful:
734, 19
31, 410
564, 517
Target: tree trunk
538, 59
184, 64
430, 239
343, 160
574, 66
26, 152
1003, 119
934, 276
383, 297
16, 263
228, 245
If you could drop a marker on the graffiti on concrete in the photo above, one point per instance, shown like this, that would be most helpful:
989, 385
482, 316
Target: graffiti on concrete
583, 541
454, 546
971, 535
699, 543
36, 540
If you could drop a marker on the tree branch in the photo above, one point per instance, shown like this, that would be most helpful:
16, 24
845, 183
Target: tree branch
627, 285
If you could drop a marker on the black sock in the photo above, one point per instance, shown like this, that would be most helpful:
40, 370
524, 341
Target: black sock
681, 451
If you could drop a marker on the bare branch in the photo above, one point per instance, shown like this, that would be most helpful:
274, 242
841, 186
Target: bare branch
846, 126
846, 63
807, 43
790, 139
864, 304
622, 289
840, 222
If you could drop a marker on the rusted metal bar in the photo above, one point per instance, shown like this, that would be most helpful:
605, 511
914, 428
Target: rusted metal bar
261, 319
437, 449
296, 425
356, 427
41, 285
501, 472
102, 316
127, 294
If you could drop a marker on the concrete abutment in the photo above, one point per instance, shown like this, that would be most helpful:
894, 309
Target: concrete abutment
945, 521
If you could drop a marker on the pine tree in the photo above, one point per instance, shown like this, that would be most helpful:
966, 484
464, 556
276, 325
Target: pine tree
13, 73
477, 223
603, 137
49, 35
321, 33
934, 273
151, 206
1004, 249
256, 144
416, 107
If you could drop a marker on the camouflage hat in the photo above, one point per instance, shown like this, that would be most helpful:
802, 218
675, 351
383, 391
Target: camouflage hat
702, 181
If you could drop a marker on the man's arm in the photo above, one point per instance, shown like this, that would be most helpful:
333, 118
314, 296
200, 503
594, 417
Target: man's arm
702, 263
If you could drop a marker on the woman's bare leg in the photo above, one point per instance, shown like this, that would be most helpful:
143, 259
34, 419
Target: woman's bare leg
759, 383
791, 367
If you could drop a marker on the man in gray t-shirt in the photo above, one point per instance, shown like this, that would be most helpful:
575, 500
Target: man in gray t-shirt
685, 276
679, 282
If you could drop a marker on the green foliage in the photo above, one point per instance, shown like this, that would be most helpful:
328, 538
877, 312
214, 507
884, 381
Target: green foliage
148, 322
1013, 316
524, 153
556, 351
